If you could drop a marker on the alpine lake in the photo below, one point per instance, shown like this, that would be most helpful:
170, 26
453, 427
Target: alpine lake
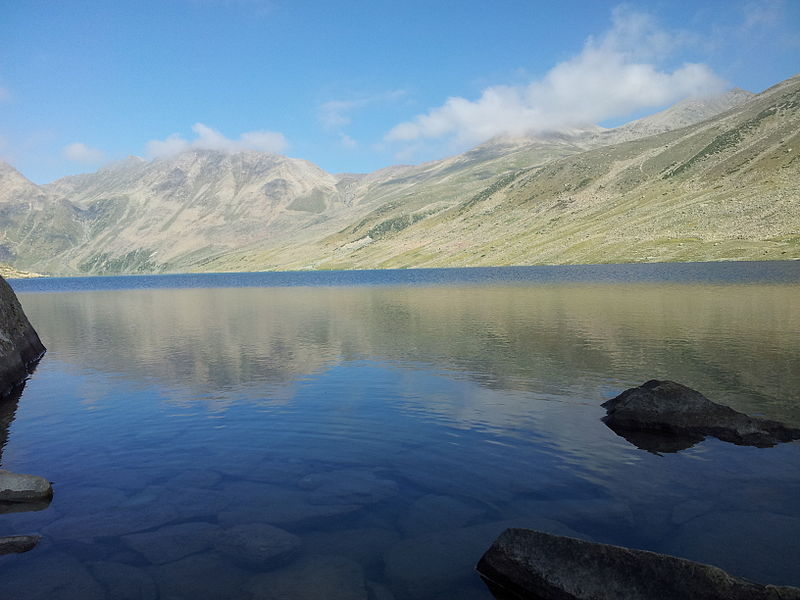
366, 435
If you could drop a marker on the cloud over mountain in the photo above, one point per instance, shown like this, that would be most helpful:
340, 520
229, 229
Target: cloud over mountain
336, 114
211, 139
614, 75
80, 152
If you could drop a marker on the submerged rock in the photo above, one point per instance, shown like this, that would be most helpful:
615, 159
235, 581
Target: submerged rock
50, 577
112, 523
278, 505
524, 563
364, 545
258, 544
205, 576
664, 416
20, 346
438, 513
16, 487
173, 542
314, 578
124, 582
348, 486
18, 544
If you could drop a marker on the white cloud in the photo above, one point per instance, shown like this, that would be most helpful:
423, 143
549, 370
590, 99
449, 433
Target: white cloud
762, 14
336, 114
613, 76
211, 139
80, 152
347, 142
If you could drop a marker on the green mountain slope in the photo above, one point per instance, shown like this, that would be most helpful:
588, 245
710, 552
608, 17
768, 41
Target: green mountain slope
724, 189
700, 189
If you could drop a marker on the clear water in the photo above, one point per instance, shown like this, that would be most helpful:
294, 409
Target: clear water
395, 423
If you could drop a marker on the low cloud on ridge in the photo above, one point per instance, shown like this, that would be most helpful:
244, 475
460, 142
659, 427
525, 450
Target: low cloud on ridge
613, 76
81, 153
211, 139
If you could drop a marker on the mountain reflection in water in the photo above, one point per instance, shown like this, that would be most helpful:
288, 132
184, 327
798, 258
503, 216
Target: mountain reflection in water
393, 429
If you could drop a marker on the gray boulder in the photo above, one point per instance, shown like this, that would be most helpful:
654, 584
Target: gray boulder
524, 563
20, 346
16, 487
18, 543
664, 416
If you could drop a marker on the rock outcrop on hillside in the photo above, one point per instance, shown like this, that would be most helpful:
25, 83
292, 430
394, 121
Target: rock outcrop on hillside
20, 346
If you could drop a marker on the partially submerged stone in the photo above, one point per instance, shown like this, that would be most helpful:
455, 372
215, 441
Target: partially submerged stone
524, 563
18, 544
16, 487
664, 416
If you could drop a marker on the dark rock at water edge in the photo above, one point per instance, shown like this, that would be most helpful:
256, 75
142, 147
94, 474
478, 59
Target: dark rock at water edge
20, 346
435, 564
16, 487
524, 563
18, 544
664, 416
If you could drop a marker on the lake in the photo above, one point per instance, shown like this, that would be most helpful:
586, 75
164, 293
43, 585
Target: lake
366, 435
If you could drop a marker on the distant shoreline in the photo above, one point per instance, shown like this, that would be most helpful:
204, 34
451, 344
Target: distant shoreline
9, 272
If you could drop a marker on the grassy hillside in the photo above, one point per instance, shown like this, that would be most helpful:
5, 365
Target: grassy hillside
725, 189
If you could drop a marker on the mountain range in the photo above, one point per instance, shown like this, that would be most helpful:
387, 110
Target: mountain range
707, 179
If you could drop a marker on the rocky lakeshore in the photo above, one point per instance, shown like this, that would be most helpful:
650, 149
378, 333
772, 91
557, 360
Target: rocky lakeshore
20, 349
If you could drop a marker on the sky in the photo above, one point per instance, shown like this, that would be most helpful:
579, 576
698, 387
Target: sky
356, 86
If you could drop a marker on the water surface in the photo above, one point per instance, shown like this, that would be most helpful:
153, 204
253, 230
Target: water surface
395, 422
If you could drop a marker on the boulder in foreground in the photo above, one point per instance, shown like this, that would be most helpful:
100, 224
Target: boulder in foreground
15, 487
18, 543
528, 564
664, 416
20, 346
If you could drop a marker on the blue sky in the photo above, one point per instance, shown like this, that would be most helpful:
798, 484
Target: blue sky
355, 86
